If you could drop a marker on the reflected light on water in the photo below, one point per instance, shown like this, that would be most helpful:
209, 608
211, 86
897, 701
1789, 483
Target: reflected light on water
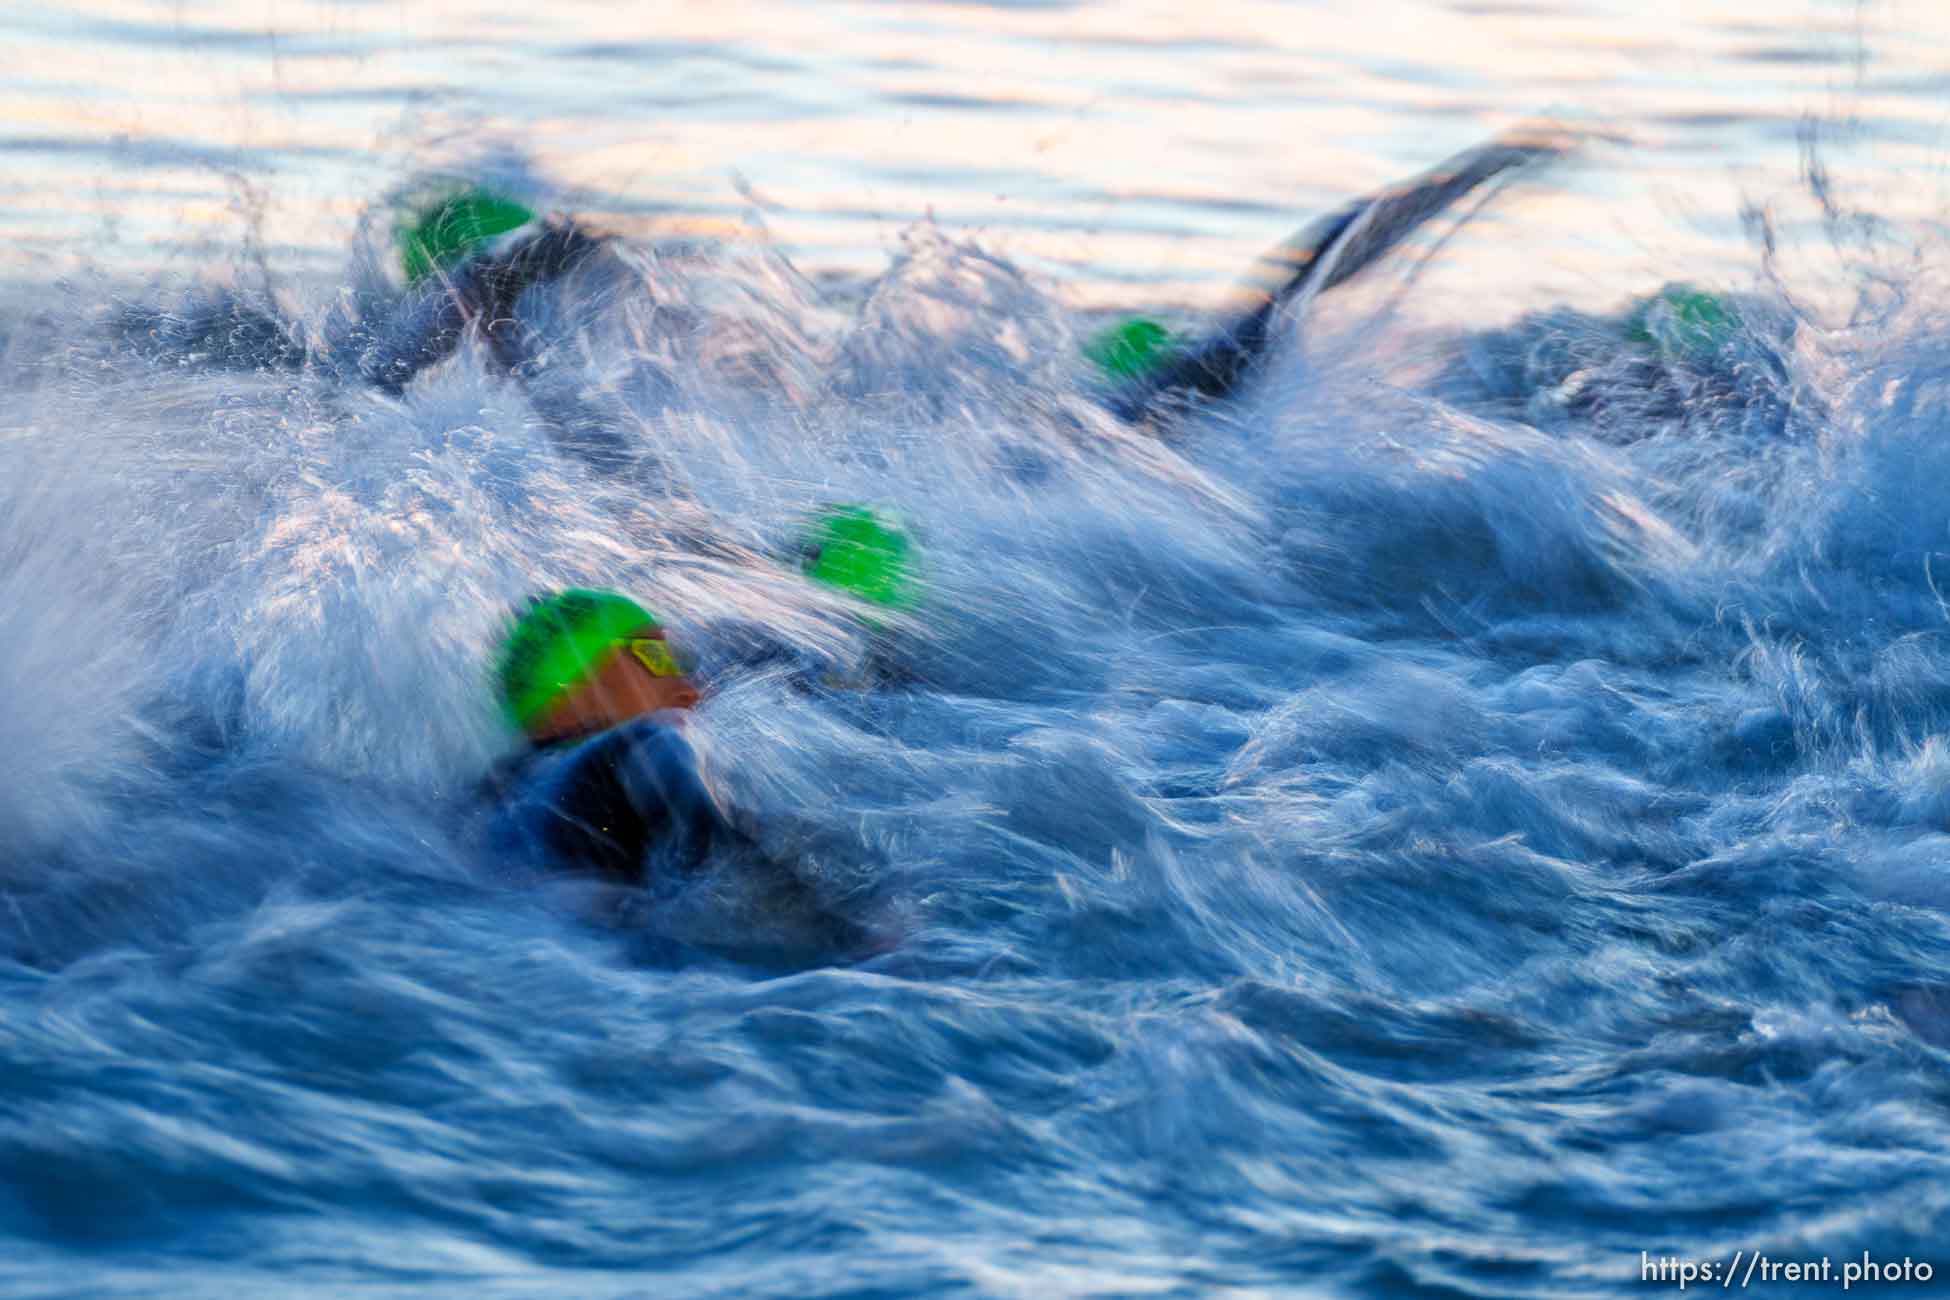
1127, 150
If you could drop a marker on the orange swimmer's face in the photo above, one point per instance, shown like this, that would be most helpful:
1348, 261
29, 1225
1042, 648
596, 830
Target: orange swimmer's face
635, 676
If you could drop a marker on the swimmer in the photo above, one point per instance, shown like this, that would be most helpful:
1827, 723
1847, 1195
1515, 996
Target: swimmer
1680, 360
470, 259
607, 777
608, 784
1153, 375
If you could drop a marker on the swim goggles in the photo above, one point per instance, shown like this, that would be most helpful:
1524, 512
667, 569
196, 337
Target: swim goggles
653, 652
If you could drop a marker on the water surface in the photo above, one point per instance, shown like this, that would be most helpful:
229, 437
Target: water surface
1468, 813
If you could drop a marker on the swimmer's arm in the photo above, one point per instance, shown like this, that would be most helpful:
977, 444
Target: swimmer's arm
1322, 255
1214, 366
222, 329
425, 327
422, 330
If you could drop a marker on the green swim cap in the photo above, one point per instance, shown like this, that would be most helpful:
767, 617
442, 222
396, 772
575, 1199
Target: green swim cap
445, 232
556, 642
862, 552
1129, 348
1697, 321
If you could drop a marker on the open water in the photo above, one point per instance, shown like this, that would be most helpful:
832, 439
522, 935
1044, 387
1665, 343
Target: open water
1464, 819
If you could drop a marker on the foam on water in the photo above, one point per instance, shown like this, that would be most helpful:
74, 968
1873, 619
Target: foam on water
1468, 814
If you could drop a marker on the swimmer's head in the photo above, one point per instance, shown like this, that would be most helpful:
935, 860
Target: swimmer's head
863, 552
1682, 321
441, 234
1130, 349
582, 661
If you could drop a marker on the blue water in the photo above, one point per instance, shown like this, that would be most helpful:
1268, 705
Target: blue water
1467, 814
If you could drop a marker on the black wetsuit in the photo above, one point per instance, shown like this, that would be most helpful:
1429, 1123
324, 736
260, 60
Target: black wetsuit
627, 804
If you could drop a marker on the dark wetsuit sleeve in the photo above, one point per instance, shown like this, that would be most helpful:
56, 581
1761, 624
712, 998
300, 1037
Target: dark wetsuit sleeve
218, 329
428, 325
629, 806
1214, 366
422, 331
1325, 253
624, 804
